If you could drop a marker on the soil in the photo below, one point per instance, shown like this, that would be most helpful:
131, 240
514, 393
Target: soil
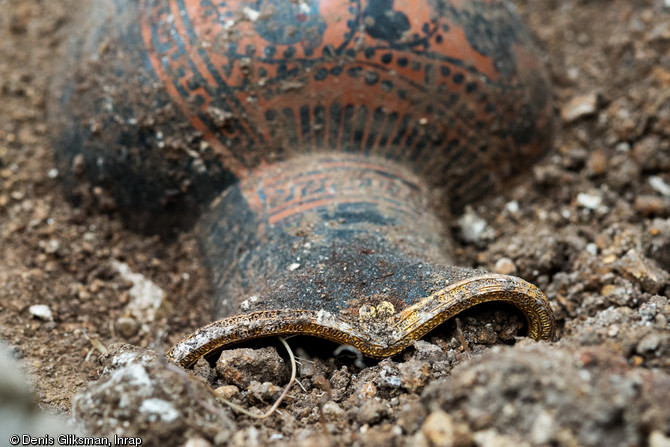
590, 226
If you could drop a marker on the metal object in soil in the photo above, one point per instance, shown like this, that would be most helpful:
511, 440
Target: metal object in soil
320, 147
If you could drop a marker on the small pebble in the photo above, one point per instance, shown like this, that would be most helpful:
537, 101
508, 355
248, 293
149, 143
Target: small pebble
41, 311
427, 351
652, 206
473, 228
147, 296
410, 416
652, 307
227, 391
439, 429
622, 147
332, 410
368, 390
242, 366
637, 360
659, 185
649, 343
505, 266
613, 331
657, 438
491, 438
414, 374
589, 201
371, 412
264, 392
127, 326
639, 269
598, 163
544, 428
579, 106
197, 442
51, 247
512, 207
78, 165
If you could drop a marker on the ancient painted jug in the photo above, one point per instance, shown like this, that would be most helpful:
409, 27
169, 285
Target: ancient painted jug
320, 148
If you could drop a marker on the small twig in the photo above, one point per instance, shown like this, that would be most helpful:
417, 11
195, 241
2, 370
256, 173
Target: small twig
96, 344
281, 398
461, 338
301, 385
303, 359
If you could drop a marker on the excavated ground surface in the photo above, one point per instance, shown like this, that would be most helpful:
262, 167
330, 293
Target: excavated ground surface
590, 225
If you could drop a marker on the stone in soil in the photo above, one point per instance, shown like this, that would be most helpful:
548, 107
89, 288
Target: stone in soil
241, 366
579, 107
536, 388
141, 394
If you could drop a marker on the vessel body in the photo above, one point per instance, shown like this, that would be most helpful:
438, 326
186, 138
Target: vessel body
320, 147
